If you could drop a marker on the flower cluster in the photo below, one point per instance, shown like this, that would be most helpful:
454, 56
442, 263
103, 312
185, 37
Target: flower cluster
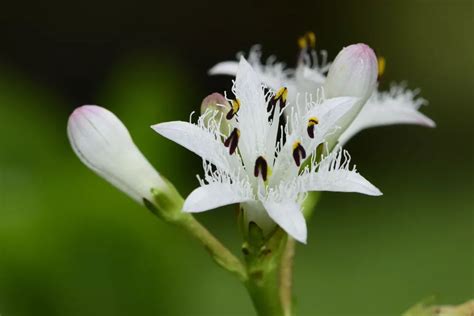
267, 162
277, 136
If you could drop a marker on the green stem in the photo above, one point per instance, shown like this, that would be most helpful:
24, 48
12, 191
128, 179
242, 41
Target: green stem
263, 287
263, 259
221, 255
287, 264
286, 277
168, 206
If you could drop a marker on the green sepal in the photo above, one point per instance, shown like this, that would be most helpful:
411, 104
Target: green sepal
167, 203
152, 208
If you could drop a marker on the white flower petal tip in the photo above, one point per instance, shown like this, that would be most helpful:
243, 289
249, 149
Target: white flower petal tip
103, 144
426, 121
353, 73
335, 174
201, 140
224, 68
412, 116
287, 214
373, 190
212, 196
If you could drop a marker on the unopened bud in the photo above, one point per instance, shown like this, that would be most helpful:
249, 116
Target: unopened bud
103, 144
216, 107
354, 74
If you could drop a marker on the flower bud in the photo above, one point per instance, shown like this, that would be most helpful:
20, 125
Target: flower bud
213, 103
353, 73
103, 144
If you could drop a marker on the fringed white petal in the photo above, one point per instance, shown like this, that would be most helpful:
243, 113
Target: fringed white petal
205, 143
252, 116
396, 106
287, 214
334, 174
214, 195
219, 188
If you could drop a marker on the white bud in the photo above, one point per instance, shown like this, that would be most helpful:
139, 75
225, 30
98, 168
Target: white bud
103, 144
353, 73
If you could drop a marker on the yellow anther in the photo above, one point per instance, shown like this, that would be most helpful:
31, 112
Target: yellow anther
234, 109
381, 66
311, 39
282, 94
307, 41
235, 105
296, 145
313, 121
302, 42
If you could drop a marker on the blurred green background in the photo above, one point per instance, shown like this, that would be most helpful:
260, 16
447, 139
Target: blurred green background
70, 244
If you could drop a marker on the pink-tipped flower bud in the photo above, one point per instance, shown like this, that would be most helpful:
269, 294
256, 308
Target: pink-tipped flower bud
353, 74
103, 144
215, 107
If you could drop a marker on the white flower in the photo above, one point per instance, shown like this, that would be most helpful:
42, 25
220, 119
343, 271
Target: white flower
398, 106
103, 144
259, 163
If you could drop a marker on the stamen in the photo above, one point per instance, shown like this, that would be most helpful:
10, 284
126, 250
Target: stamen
282, 96
282, 93
232, 141
311, 123
261, 168
307, 44
299, 154
307, 41
381, 66
234, 109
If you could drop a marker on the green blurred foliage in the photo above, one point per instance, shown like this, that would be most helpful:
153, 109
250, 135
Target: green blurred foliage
70, 244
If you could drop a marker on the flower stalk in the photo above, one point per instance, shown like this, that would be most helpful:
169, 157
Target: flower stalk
168, 207
286, 277
287, 260
263, 261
